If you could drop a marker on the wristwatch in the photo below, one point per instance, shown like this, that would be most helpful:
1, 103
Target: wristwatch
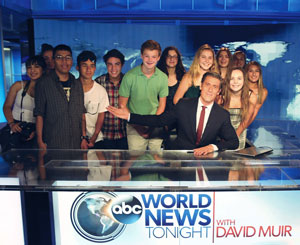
85, 138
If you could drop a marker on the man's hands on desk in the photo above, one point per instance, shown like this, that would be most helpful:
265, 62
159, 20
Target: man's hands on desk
124, 114
203, 150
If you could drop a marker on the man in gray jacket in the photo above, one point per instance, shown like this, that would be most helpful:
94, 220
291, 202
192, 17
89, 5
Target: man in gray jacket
59, 105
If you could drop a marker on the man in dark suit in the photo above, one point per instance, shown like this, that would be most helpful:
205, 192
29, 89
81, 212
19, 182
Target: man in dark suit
216, 131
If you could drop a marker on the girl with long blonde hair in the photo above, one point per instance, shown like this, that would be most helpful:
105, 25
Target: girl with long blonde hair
203, 62
256, 85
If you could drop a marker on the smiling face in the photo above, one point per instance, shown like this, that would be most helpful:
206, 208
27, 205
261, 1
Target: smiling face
171, 59
150, 58
34, 71
206, 59
63, 62
87, 69
114, 67
210, 88
223, 59
236, 81
253, 74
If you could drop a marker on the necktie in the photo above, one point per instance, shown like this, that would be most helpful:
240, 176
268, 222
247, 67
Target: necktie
200, 125
200, 174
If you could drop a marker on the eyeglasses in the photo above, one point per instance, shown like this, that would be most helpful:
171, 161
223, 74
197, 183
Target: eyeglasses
175, 57
60, 57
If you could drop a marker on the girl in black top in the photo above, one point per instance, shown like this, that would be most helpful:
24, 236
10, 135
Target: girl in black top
171, 64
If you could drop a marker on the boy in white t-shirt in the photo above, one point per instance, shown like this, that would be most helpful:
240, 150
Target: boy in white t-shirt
95, 100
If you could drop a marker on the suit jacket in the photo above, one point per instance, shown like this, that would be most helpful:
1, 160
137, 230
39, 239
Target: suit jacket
218, 130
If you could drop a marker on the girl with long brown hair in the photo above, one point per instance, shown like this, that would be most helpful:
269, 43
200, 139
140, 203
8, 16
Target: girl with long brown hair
237, 99
224, 61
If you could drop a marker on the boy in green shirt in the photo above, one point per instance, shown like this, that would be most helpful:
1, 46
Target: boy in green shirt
144, 90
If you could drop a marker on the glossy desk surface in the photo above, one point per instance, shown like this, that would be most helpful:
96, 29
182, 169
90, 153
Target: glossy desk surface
34, 170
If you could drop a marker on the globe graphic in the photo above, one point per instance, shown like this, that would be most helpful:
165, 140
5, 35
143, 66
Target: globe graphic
91, 222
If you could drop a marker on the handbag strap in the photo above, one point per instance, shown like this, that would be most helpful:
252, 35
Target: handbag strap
23, 95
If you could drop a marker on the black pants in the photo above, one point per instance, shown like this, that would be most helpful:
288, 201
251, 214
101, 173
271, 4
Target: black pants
120, 144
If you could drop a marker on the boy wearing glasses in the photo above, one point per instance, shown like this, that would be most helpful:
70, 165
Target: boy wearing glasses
95, 101
59, 104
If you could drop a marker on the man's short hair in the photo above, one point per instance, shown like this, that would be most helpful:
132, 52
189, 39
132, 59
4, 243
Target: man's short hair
61, 47
114, 53
86, 55
151, 45
212, 74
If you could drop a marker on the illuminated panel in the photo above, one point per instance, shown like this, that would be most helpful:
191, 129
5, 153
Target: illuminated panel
294, 5
144, 4
176, 4
241, 5
82, 5
273, 5
11, 223
13, 3
47, 5
112, 4
173, 218
209, 5
2, 94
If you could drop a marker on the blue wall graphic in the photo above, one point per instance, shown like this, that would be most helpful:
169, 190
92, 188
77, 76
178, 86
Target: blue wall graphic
274, 46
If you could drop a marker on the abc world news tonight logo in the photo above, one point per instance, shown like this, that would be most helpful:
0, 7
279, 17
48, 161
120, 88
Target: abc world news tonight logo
103, 217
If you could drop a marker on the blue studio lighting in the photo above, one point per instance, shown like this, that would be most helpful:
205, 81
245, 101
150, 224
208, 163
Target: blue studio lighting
2, 89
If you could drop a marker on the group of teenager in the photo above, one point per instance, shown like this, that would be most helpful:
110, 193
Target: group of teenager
209, 107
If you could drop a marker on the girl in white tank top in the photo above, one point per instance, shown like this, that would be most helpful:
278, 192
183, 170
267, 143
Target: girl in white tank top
24, 113
20, 108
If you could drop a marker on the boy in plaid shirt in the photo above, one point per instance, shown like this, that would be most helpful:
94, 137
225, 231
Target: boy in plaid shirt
114, 129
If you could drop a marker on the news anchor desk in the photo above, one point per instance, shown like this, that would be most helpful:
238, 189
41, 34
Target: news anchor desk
168, 197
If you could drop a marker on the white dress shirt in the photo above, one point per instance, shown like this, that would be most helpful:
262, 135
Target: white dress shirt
207, 113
